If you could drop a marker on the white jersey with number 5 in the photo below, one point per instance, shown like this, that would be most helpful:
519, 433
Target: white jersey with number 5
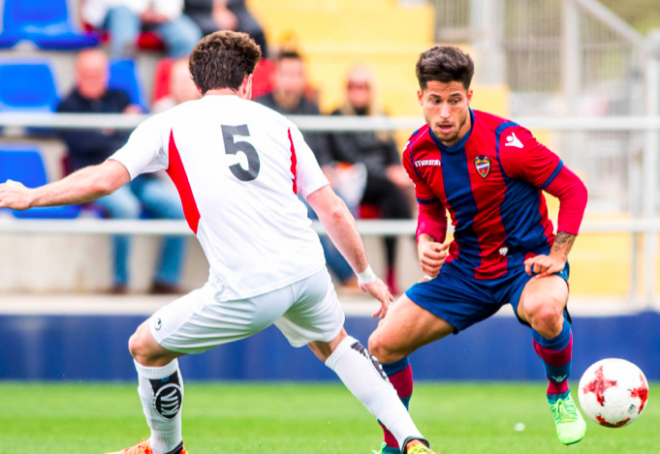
238, 167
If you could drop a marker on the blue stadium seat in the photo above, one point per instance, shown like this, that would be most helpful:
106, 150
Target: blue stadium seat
25, 165
45, 22
7, 41
27, 87
124, 76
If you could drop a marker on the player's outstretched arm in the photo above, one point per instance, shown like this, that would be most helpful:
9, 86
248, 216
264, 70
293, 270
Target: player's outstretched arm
83, 186
342, 230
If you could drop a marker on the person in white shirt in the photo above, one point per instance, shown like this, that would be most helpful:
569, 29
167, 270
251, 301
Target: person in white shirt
239, 167
124, 19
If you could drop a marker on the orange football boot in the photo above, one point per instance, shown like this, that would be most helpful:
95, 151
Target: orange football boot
144, 447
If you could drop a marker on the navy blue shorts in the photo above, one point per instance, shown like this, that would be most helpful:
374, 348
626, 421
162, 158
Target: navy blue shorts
460, 299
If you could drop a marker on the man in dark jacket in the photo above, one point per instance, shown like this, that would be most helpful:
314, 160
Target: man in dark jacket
90, 147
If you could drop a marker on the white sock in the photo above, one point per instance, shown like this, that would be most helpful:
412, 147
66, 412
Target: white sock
161, 392
363, 376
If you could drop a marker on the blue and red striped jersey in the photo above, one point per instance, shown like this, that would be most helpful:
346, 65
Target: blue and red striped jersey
492, 183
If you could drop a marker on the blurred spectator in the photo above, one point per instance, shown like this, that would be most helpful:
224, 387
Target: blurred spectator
214, 15
90, 147
181, 87
288, 98
124, 19
387, 181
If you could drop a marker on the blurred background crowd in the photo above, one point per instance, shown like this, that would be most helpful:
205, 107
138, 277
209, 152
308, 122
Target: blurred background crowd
567, 65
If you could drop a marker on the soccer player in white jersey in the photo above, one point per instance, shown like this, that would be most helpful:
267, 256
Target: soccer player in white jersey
238, 167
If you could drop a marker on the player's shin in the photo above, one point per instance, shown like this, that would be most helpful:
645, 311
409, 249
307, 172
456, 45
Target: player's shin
401, 377
161, 393
364, 377
557, 355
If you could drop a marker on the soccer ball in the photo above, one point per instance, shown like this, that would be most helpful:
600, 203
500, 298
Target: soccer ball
613, 392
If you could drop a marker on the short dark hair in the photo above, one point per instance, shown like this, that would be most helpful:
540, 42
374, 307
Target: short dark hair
444, 64
289, 55
222, 60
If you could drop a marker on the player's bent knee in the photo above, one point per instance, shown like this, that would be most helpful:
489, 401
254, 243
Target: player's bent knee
142, 346
136, 345
374, 344
547, 319
381, 351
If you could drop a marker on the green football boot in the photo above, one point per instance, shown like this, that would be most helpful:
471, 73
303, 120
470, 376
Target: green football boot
570, 423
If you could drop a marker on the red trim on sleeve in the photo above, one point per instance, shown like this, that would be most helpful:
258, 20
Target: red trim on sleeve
177, 173
294, 164
572, 195
432, 220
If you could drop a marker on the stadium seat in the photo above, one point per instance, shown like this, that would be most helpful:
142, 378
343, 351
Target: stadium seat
7, 41
150, 41
368, 212
162, 79
262, 82
27, 87
47, 23
124, 76
146, 40
25, 165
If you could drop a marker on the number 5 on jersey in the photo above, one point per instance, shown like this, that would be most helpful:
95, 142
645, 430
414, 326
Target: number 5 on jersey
246, 148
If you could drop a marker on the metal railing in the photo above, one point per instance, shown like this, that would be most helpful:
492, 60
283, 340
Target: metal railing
639, 123
558, 57
180, 228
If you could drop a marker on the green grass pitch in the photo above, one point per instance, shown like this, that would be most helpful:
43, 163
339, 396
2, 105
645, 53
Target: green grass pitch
75, 418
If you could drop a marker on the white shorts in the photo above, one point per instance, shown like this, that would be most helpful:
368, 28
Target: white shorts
305, 311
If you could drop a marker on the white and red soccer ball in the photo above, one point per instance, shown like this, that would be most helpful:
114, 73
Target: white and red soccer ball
613, 392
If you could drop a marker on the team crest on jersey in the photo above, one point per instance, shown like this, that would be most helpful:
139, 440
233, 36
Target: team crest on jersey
482, 163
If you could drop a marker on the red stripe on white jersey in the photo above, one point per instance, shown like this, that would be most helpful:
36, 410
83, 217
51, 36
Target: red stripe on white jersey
294, 164
177, 173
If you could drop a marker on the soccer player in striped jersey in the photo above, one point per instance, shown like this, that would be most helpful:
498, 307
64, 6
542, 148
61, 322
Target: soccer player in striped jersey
490, 174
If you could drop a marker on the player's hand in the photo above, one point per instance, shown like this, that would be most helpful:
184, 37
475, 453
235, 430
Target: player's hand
544, 265
15, 196
379, 290
432, 256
